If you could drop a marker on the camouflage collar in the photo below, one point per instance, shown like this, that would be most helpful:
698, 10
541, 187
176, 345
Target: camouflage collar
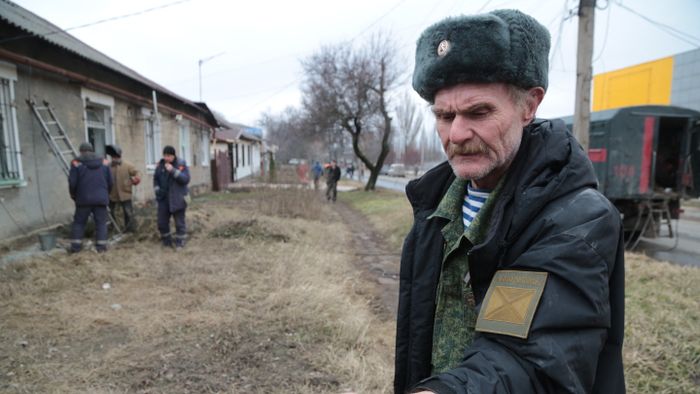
450, 206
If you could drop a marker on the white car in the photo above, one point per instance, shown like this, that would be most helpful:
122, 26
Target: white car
397, 169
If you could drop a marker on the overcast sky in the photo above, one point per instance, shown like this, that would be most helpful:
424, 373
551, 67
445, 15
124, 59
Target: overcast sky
259, 43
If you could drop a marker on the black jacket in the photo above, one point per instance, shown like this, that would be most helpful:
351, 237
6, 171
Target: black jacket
172, 186
547, 217
89, 181
332, 174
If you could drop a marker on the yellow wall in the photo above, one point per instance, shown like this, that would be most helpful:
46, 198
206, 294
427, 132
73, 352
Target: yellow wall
643, 84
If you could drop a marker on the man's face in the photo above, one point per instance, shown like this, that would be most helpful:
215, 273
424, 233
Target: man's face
333, 164
168, 158
480, 127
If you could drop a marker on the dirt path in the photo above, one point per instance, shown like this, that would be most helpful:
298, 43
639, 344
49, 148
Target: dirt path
374, 257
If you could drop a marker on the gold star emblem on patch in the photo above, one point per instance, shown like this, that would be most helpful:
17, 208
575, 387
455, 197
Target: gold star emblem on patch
443, 47
510, 302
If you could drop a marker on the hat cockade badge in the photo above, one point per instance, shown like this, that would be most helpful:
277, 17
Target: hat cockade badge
443, 47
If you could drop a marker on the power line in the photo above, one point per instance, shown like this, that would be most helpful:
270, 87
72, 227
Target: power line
605, 38
378, 19
566, 14
266, 99
283, 88
98, 22
668, 29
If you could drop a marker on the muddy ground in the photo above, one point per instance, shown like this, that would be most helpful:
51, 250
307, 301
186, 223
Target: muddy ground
273, 293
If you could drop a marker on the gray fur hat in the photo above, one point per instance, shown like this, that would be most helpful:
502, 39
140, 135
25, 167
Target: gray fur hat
500, 46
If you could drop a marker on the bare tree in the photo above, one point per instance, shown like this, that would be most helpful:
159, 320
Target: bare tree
291, 131
409, 121
349, 86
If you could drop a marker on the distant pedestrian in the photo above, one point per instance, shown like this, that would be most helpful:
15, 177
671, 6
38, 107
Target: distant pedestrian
332, 178
124, 176
350, 170
89, 183
317, 172
170, 184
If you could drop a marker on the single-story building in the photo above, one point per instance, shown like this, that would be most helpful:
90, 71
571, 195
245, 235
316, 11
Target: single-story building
94, 98
238, 150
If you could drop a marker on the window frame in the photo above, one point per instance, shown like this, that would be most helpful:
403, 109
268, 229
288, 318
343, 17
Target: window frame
185, 151
10, 128
154, 144
204, 148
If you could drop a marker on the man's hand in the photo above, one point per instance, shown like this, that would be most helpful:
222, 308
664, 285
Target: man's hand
168, 167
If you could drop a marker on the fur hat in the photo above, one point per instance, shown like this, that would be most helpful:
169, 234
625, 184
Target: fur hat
500, 46
169, 150
113, 150
86, 147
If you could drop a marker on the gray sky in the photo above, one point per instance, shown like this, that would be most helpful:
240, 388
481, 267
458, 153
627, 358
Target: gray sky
263, 40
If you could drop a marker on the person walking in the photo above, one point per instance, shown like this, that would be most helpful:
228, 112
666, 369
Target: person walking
332, 178
170, 184
316, 172
124, 177
89, 184
512, 276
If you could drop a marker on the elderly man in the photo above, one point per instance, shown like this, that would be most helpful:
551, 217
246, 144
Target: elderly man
512, 276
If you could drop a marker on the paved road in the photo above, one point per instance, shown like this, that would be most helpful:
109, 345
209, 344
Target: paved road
684, 250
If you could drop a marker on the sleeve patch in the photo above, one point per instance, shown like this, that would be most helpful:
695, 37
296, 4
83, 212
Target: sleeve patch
511, 302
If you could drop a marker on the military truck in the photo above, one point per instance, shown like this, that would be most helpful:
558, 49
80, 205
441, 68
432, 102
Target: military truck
647, 159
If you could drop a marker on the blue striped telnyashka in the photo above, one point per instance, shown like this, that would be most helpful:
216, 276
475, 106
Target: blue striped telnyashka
474, 199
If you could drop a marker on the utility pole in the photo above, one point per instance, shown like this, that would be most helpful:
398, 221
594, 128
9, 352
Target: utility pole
199, 63
584, 71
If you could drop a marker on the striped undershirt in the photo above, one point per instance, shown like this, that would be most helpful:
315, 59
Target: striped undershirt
473, 201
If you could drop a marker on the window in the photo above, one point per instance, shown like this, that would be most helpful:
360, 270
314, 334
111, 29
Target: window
185, 151
250, 155
152, 136
10, 159
97, 120
242, 155
204, 148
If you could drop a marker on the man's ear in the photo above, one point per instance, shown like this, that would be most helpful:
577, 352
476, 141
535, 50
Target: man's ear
532, 102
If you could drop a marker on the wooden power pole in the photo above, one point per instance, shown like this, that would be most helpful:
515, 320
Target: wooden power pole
584, 71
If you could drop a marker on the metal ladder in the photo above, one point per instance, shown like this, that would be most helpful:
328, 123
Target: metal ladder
54, 135
661, 215
60, 144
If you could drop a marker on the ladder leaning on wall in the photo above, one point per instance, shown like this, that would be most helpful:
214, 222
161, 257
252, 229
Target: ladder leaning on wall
59, 142
54, 135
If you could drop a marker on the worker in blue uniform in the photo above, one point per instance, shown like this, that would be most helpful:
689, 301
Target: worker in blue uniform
170, 184
89, 184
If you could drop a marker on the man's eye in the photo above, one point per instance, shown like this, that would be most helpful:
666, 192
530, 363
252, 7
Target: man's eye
445, 117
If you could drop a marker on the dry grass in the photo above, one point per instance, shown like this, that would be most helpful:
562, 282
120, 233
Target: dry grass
273, 309
388, 211
662, 347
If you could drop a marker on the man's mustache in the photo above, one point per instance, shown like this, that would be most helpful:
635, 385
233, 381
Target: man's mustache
474, 147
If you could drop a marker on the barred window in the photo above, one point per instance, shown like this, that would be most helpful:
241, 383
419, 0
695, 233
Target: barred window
185, 151
153, 140
10, 159
204, 148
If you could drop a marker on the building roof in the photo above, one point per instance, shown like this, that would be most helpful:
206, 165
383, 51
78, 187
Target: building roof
230, 131
36, 26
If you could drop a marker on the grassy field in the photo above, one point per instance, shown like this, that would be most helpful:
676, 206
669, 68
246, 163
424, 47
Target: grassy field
662, 342
263, 299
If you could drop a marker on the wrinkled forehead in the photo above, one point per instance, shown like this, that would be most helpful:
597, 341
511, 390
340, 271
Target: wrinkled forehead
472, 93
